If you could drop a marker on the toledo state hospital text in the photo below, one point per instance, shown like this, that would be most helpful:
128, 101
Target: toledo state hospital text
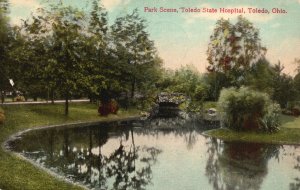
243, 10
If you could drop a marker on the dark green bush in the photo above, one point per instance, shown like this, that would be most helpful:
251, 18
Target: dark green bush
247, 109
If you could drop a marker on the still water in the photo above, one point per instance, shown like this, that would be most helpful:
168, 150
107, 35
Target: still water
161, 155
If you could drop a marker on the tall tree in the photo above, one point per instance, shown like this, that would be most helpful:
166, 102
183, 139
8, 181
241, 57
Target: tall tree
101, 65
4, 44
134, 50
297, 77
29, 56
283, 86
234, 48
261, 77
61, 31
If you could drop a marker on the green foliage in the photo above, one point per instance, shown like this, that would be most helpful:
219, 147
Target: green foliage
297, 80
264, 77
57, 34
194, 106
137, 59
65, 52
188, 81
261, 77
209, 104
244, 109
5, 36
215, 81
200, 93
270, 121
284, 136
284, 89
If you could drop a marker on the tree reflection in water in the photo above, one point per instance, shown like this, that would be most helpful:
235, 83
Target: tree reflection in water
188, 129
295, 185
117, 157
238, 165
77, 154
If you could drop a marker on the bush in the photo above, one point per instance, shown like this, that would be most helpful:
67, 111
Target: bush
293, 109
270, 122
246, 109
2, 116
108, 107
20, 99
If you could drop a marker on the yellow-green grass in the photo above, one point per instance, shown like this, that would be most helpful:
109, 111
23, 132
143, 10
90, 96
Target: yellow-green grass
16, 173
289, 133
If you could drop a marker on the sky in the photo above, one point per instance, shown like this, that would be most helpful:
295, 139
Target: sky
182, 38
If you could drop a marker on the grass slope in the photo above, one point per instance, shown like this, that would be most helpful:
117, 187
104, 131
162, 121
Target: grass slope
15, 173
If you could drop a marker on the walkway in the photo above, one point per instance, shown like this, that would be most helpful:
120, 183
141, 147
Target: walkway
42, 102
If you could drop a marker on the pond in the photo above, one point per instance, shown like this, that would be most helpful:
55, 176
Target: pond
158, 156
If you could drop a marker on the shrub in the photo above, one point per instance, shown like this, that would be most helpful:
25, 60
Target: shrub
246, 109
20, 99
2, 116
108, 107
270, 122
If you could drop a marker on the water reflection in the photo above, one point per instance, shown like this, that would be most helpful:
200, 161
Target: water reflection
238, 165
77, 153
162, 154
295, 185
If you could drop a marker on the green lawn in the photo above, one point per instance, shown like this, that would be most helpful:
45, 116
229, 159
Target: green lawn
289, 133
15, 173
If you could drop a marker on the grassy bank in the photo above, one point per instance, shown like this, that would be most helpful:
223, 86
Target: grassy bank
16, 173
289, 133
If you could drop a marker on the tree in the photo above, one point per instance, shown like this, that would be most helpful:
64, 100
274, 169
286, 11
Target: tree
297, 62
188, 81
134, 50
283, 85
297, 84
25, 54
4, 44
215, 81
98, 54
234, 48
261, 77
297, 77
61, 33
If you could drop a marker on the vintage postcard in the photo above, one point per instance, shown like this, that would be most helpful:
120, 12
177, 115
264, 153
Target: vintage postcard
150, 94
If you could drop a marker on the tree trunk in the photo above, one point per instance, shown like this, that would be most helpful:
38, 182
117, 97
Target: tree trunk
2, 96
25, 97
67, 104
132, 88
47, 98
66, 144
52, 96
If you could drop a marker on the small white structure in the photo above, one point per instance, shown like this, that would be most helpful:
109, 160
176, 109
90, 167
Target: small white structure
212, 112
